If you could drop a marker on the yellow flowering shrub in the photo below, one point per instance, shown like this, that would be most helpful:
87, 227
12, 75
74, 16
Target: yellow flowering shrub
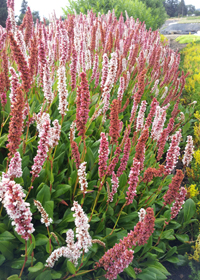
197, 157
196, 255
163, 39
191, 64
192, 190
197, 129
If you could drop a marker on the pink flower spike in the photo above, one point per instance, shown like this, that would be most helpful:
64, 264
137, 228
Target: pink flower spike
140, 118
55, 134
103, 154
121, 89
45, 219
15, 167
82, 177
3, 99
47, 85
189, 150
125, 158
178, 203
82, 227
18, 210
115, 185
42, 151
104, 69
173, 153
133, 181
63, 92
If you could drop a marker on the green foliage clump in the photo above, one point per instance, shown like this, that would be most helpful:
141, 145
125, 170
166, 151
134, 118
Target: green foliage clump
183, 39
158, 12
152, 11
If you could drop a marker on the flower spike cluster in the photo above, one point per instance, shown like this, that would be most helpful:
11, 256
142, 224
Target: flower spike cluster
18, 210
116, 259
45, 219
74, 250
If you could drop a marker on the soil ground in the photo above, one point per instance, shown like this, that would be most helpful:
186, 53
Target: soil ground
179, 273
173, 44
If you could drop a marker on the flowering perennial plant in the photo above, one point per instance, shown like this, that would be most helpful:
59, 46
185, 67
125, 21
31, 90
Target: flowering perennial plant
90, 90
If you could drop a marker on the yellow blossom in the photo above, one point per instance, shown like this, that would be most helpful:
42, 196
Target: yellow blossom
197, 157
196, 255
192, 190
197, 115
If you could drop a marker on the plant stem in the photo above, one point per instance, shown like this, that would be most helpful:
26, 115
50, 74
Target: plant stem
25, 260
118, 218
77, 274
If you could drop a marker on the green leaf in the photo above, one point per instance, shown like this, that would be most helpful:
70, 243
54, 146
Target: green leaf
25, 162
186, 127
182, 237
171, 252
101, 226
89, 156
49, 207
41, 239
131, 272
157, 265
60, 190
159, 274
44, 275
110, 211
30, 249
145, 274
2, 227
56, 275
71, 267
148, 245
6, 249
48, 247
2, 259
189, 209
38, 266
6, 236
172, 259
14, 277
128, 218
158, 250
94, 218
3, 139
59, 156
44, 194
31, 140
17, 264
168, 234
